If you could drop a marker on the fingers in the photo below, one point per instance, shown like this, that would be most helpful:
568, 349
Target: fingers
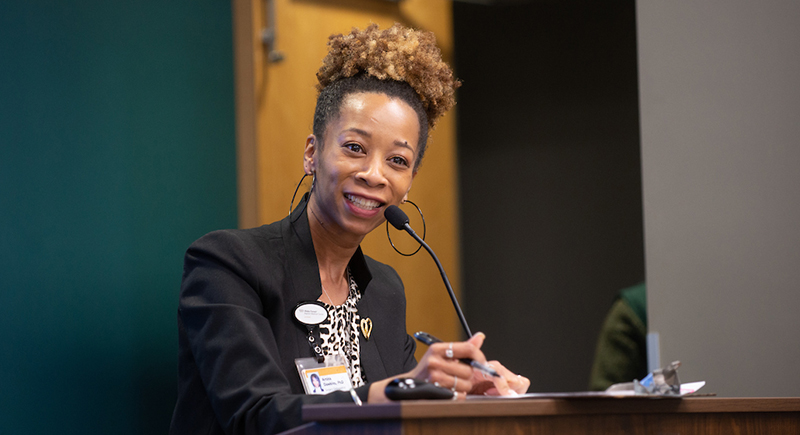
458, 350
441, 366
477, 339
508, 383
454, 383
517, 383
521, 385
449, 373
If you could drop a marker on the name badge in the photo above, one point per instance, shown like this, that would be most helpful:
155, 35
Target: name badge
322, 377
310, 313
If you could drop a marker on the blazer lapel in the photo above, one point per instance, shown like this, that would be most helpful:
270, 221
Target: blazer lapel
371, 361
302, 270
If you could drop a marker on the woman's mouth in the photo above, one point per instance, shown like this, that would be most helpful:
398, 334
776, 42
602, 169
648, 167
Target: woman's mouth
362, 203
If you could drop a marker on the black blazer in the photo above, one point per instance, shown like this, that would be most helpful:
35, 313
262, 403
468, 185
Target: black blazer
238, 339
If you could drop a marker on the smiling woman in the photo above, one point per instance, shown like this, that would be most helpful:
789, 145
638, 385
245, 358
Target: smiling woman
242, 341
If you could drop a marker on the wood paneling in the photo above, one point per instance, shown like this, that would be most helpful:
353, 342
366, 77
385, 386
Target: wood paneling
275, 106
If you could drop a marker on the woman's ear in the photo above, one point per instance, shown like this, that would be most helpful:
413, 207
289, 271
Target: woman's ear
309, 164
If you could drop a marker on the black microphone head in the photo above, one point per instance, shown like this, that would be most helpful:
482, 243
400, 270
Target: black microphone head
396, 217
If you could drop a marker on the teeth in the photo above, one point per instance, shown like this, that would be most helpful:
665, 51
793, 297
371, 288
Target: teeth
364, 203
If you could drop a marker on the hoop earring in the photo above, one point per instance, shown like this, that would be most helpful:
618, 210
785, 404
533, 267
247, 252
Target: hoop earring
291, 204
424, 231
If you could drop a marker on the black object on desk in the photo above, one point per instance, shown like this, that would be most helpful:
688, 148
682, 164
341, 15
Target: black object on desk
415, 389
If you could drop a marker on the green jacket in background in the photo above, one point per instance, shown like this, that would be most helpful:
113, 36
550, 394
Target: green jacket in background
621, 354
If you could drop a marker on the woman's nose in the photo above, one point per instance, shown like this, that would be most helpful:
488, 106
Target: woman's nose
372, 173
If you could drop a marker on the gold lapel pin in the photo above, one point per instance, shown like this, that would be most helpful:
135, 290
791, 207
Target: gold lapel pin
366, 327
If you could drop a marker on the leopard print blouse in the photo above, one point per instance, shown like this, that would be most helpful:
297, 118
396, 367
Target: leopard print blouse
339, 333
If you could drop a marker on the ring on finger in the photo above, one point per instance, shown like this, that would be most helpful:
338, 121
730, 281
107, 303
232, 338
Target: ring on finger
449, 351
455, 383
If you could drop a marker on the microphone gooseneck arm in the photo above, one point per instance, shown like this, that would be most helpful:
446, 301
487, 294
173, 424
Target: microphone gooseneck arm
399, 220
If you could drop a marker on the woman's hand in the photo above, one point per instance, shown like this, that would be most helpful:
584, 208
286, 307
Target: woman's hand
441, 366
508, 384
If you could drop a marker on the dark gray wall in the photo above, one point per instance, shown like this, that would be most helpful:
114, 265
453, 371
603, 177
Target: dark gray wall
116, 151
720, 109
548, 144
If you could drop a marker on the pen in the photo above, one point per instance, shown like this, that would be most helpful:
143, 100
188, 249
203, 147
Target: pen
429, 339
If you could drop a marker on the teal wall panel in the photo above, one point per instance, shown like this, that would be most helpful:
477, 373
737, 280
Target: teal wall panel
117, 150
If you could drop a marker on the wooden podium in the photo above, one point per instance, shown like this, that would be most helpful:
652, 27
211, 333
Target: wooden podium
579, 415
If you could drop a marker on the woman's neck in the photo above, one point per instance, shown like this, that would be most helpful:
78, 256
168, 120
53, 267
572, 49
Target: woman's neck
333, 249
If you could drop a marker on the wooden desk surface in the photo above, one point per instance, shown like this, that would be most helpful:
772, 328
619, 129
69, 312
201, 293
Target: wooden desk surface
530, 407
701, 415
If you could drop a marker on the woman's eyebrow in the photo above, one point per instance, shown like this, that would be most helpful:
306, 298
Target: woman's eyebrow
399, 143
403, 144
359, 131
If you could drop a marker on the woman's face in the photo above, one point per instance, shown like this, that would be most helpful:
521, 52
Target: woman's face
364, 164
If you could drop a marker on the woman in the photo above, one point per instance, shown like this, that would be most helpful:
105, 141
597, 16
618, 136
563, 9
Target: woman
316, 384
380, 92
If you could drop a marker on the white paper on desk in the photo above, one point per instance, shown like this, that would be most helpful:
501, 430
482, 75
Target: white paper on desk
691, 387
687, 388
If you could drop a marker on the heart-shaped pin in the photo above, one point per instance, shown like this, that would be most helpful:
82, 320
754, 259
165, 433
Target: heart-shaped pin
366, 327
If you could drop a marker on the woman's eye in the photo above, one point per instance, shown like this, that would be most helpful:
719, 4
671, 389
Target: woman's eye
354, 147
399, 161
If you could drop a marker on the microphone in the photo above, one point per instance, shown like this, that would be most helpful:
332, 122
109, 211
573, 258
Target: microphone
399, 220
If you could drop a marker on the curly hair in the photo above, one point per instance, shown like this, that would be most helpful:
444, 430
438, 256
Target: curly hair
400, 62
